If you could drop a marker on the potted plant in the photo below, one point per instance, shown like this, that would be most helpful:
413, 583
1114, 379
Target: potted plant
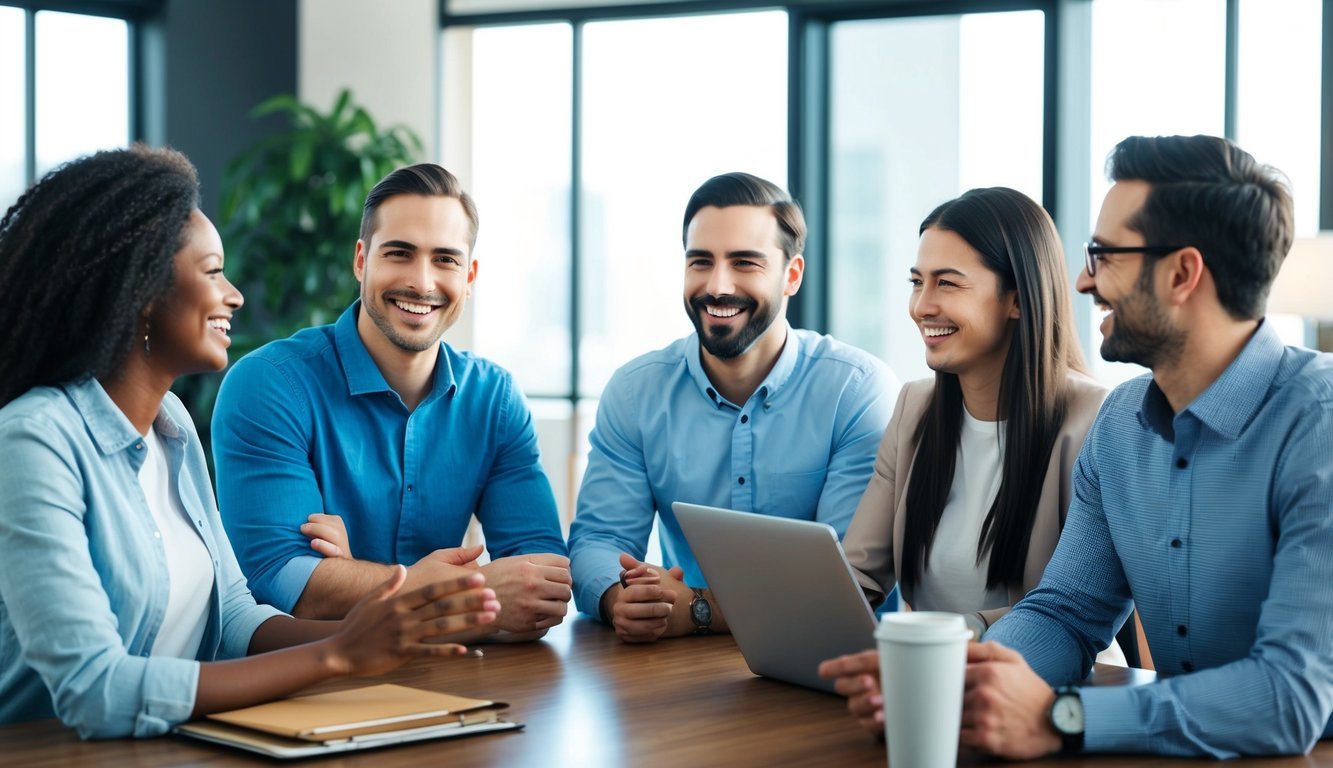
290, 216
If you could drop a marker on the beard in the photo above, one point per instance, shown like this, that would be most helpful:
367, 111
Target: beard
1141, 332
727, 342
391, 333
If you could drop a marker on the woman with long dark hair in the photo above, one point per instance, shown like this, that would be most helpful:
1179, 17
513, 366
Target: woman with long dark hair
972, 479
122, 608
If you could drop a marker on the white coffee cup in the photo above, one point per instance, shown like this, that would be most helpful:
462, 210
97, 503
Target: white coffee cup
922, 658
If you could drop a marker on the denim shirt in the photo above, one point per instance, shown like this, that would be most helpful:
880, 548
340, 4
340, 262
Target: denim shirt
83, 571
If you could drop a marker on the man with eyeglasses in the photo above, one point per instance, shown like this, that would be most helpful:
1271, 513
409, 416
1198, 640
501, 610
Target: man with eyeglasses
1203, 494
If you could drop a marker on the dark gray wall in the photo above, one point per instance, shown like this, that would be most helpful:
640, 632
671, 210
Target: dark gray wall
218, 60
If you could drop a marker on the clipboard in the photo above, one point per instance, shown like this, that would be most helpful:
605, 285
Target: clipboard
342, 721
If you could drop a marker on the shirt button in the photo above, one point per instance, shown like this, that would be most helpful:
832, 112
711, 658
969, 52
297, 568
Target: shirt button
744, 419
740, 480
409, 489
1188, 666
138, 446
1175, 543
157, 534
1182, 462
1181, 630
767, 406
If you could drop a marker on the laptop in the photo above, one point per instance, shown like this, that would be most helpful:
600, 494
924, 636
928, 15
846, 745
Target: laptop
785, 588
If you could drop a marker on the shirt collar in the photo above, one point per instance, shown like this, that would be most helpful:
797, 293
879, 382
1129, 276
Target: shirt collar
1230, 402
772, 383
110, 427
363, 375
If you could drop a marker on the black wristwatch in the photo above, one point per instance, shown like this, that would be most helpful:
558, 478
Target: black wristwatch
1067, 719
701, 613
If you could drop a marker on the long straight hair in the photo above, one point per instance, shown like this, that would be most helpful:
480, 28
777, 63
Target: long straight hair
1018, 242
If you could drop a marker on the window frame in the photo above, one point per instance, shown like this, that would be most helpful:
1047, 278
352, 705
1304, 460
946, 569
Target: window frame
133, 12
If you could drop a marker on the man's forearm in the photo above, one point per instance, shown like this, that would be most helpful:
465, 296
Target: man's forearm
336, 585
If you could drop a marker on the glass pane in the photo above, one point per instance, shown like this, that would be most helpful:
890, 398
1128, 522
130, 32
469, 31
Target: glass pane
657, 121
968, 114
1280, 44
1160, 78
521, 145
83, 86
13, 107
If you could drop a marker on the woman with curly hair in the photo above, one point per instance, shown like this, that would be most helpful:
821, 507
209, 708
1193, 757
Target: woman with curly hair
122, 608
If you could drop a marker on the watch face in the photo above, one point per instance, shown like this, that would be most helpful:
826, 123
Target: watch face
701, 612
1067, 713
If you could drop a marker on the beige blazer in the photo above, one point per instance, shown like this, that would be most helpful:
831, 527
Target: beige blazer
874, 540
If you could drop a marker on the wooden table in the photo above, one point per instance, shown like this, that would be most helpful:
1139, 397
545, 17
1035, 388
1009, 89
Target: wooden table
587, 700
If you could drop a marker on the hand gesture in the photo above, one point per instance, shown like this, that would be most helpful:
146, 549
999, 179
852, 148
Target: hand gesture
386, 629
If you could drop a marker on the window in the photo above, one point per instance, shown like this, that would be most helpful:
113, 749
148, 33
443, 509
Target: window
13, 115
1179, 89
81, 102
922, 109
652, 134
581, 184
521, 181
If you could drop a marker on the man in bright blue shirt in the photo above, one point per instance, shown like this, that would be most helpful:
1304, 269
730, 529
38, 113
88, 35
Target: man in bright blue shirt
747, 413
372, 436
1204, 493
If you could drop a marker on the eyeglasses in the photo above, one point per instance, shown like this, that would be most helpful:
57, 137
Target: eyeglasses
1094, 253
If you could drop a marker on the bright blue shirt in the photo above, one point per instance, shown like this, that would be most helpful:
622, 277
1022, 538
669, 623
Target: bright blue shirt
83, 571
308, 424
1217, 522
803, 446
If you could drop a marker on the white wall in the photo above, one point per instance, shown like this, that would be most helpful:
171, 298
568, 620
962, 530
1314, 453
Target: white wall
387, 53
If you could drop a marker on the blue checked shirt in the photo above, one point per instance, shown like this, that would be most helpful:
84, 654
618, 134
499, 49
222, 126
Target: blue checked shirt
803, 446
1217, 522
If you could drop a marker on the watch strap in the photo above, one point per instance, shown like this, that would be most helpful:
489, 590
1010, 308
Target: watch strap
1071, 743
700, 627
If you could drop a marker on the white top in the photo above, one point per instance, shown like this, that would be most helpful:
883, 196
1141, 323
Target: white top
188, 562
955, 581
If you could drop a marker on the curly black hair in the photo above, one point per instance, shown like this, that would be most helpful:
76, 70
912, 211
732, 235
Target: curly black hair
82, 255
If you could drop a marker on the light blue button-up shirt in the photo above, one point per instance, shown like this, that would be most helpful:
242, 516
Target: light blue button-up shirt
1218, 523
309, 424
83, 571
803, 446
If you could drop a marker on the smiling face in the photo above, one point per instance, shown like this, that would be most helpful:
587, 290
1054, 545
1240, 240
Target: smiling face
415, 272
965, 319
188, 328
1136, 327
736, 278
